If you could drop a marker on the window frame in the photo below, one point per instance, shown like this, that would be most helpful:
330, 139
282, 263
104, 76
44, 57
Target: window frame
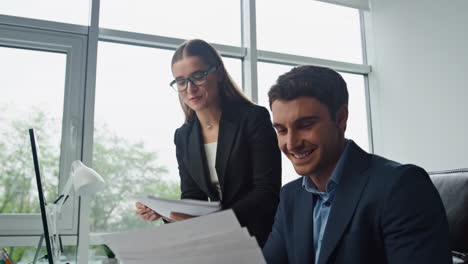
70, 40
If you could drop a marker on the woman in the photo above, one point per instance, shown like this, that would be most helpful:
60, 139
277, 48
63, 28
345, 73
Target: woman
226, 149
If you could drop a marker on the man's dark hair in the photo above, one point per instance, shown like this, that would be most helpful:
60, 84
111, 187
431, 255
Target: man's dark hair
324, 84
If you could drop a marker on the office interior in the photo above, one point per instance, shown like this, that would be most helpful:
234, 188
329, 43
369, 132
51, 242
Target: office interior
92, 77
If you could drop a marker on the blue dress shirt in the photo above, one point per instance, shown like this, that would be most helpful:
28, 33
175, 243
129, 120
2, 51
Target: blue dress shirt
324, 200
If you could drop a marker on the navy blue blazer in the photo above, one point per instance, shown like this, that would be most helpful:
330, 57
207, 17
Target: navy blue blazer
383, 212
248, 164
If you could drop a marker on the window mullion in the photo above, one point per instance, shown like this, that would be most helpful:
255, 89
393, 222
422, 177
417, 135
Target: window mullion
249, 41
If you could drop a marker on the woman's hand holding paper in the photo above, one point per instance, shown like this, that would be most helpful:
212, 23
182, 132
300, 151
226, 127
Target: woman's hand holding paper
146, 213
180, 216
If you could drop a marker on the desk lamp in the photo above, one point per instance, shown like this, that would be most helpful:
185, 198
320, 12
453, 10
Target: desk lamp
85, 181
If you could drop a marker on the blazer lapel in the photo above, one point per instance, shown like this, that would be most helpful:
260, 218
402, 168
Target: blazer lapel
197, 160
303, 236
228, 128
348, 194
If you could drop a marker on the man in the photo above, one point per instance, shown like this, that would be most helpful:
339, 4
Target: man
349, 206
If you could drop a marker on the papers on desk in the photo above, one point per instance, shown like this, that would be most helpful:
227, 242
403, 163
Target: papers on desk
187, 206
214, 238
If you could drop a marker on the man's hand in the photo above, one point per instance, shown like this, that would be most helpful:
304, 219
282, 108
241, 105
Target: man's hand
180, 216
146, 213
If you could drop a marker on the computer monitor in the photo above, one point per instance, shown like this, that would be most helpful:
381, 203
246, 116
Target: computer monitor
50, 234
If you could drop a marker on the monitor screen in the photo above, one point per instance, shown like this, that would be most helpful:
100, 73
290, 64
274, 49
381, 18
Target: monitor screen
48, 219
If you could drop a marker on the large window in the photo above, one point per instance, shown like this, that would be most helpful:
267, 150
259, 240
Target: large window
309, 28
42, 86
32, 97
70, 11
211, 20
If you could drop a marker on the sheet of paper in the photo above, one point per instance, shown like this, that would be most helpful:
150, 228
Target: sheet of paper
218, 240
243, 251
169, 234
187, 206
213, 238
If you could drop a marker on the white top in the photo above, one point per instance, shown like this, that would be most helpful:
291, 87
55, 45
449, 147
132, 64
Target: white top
210, 151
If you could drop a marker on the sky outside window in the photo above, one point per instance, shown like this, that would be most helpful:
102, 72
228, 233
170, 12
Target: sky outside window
32, 97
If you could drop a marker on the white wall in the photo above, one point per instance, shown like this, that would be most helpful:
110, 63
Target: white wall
418, 51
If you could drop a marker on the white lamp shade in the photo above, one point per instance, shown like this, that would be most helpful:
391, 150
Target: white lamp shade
86, 181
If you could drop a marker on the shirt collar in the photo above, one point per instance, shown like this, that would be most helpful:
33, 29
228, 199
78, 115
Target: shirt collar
335, 178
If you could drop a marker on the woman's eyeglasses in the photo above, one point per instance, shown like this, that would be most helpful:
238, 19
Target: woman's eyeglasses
197, 78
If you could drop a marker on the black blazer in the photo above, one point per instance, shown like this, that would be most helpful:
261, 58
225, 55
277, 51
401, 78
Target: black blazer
248, 164
383, 212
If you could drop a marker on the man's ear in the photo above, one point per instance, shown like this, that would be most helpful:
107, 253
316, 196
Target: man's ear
342, 117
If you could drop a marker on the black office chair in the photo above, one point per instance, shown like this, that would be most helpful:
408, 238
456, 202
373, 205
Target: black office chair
453, 189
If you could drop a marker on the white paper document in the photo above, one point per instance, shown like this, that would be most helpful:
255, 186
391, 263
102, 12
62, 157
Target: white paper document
186, 206
214, 238
235, 252
170, 234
